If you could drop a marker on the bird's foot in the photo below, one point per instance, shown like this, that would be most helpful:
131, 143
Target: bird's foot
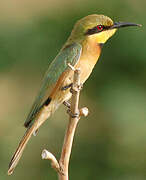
79, 88
76, 115
67, 104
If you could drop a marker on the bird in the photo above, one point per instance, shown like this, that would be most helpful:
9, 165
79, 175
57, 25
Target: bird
81, 50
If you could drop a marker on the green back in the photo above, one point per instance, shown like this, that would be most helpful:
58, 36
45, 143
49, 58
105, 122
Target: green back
69, 54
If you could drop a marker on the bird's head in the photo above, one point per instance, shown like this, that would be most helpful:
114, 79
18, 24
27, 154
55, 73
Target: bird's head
98, 27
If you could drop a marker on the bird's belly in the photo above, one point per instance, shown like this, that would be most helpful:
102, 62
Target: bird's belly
86, 66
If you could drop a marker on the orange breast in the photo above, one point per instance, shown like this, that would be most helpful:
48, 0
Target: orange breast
89, 57
90, 54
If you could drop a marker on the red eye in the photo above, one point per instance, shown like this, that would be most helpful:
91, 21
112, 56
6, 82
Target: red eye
100, 27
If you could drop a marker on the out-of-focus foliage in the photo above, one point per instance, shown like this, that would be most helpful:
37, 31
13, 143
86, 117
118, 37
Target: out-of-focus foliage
110, 144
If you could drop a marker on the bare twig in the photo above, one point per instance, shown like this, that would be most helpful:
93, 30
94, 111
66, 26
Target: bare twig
54, 163
74, 116
73, 121
84, 111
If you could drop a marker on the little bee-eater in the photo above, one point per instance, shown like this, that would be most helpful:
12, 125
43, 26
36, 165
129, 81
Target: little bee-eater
81, 50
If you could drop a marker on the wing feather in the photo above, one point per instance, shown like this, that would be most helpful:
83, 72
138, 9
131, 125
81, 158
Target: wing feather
69, 54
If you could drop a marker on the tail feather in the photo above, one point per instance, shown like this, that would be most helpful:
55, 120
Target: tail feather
43, 114
17, 155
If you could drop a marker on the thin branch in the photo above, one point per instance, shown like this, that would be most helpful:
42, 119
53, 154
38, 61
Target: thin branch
74, 116
54, 163
73, 121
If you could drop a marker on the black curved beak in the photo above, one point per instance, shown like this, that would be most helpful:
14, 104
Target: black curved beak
123, 24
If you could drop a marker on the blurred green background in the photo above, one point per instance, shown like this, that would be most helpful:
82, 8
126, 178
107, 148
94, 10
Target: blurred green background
110, 144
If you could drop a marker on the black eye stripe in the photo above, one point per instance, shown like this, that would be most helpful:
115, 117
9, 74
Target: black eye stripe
96, 30
91, 31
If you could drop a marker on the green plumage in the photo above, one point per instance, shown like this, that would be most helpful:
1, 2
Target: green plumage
69, 54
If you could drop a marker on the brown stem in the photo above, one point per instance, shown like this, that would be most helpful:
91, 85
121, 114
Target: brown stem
73, 121
75, 113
